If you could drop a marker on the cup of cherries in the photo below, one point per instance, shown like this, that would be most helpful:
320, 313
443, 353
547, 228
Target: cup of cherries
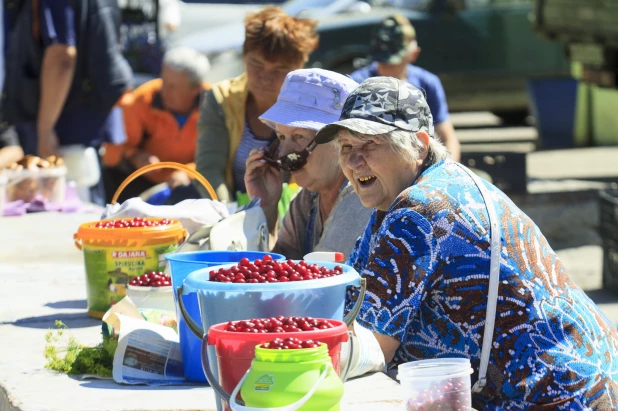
155, 279
153, 291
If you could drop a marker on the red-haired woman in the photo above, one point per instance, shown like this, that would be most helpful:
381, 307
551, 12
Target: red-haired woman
229, 125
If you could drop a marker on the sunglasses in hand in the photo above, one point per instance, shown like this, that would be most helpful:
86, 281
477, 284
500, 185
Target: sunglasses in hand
293, 161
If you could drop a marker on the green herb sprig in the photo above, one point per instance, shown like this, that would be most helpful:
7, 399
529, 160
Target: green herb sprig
77, 359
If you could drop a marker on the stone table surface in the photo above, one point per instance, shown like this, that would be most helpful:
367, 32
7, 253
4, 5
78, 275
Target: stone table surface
42, 279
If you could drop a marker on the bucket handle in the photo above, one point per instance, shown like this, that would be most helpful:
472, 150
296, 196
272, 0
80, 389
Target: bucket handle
199, 331
195, 328
212, 380
291, 407
78, 242
351, 316
165, 164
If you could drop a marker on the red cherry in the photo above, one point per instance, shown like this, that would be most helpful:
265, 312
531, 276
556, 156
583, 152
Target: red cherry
267, 258
269, 271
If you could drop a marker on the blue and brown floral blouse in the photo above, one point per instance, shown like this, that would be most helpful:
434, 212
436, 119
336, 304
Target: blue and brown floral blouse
426, 262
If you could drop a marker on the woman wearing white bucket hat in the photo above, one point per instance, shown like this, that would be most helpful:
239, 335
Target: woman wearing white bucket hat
327, 214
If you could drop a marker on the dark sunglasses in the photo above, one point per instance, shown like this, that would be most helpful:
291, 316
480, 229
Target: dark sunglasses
293, 161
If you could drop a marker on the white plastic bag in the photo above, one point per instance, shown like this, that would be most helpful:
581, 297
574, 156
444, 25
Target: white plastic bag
192, 214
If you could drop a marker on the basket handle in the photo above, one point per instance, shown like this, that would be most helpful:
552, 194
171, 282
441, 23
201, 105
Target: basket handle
165, 164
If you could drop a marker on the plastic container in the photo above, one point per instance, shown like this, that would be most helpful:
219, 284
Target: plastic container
180, 266
553, 102
115, 256
3, 185
82, 164
26, 184
290, 380
442, 383
83, 168
160, 298
223, 302
156, 304
236, 350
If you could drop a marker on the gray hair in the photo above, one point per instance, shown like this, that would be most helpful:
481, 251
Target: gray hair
192, 62
332, 145
407, 145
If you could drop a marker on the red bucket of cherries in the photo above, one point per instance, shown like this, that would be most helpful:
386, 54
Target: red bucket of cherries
235, 342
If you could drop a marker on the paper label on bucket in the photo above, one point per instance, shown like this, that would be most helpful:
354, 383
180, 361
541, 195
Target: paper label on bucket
109, 270
264, 383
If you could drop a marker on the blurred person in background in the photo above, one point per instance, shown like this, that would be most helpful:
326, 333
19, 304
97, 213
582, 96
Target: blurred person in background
327, 214
161, 125
394, 50
2, 36
10, 150
65, 74
229, 125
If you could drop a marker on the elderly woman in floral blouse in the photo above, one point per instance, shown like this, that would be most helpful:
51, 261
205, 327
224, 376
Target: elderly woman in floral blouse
427, 254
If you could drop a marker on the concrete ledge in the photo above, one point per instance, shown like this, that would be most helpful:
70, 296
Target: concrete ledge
43, 280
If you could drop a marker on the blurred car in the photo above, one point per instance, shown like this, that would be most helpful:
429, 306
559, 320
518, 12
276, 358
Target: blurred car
201, 15
484, 51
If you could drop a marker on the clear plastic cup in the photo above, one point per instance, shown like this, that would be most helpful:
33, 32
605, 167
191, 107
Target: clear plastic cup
3, 184
442, 384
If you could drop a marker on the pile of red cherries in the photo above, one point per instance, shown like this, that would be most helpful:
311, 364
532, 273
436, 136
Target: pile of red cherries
290, 344
268, 271
135, 222
152, 279
278, 324
452, 395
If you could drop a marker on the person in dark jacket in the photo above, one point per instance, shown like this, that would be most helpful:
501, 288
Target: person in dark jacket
64, 92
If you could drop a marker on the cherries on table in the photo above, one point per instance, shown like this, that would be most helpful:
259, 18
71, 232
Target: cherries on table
152, 279
135, 222
268, 271
278, 324
290, 343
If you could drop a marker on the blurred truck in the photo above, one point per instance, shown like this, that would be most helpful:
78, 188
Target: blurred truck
589, 31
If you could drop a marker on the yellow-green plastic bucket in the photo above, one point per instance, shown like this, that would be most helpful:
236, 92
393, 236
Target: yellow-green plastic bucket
290, 380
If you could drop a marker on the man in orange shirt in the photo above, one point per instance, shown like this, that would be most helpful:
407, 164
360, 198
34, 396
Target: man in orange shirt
161, 125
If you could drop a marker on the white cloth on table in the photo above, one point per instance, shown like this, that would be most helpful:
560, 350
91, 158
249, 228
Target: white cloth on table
192, 214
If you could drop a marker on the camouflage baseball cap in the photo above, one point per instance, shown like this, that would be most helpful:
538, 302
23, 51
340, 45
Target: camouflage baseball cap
380, 105
392, 38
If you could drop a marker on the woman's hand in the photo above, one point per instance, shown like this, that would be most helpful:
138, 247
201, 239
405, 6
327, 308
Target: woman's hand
262, 180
